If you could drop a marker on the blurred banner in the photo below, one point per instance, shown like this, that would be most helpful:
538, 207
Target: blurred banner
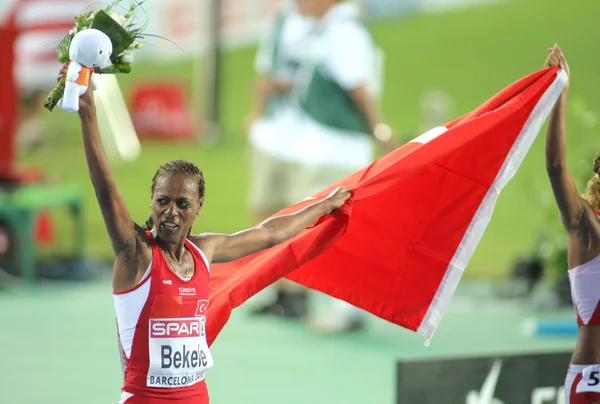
41, 25
186, 22
175, 29
518, 379
386, 9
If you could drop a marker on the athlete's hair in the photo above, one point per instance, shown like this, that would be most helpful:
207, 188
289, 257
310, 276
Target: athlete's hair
176, 167
592, 194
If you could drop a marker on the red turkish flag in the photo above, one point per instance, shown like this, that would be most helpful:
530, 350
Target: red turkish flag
399, 246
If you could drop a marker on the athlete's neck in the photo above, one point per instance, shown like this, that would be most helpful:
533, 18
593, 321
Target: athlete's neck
175, 250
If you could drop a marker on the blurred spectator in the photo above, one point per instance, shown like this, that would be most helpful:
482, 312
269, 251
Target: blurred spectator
271, 129
337, 87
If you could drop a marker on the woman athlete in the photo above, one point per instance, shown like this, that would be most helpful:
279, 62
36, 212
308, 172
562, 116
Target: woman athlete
580, 218
161, 272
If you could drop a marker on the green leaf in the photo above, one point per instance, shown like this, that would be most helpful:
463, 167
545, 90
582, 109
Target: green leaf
119, 68
63, 49
119, 36
56, 94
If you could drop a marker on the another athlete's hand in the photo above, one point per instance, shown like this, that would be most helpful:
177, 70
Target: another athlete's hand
557, 58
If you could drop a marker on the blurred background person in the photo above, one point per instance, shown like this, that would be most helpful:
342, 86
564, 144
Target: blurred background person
271, 133
337, 88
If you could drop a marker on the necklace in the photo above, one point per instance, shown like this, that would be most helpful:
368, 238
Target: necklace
172, 263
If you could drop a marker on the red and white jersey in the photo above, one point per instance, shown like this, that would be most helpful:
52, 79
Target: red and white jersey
582, 384
161, 324
585, 291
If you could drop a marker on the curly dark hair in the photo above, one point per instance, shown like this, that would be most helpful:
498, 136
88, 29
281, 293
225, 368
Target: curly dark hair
592, 194
178, 167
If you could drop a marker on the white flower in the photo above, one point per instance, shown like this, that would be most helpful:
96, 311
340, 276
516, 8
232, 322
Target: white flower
122, 21
133, 47
127, 57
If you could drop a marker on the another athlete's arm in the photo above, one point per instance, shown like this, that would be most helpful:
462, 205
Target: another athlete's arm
124, 234
229, 247
565, 190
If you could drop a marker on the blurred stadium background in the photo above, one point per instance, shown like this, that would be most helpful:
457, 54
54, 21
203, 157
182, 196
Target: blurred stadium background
57, 342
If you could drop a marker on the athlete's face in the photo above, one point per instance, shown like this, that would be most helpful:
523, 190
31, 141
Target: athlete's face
175, 204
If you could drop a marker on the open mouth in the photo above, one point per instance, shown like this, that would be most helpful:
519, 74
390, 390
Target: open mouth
169, 226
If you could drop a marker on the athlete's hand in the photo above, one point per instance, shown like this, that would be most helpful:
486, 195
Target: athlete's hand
86, 101
337, 198
62, 71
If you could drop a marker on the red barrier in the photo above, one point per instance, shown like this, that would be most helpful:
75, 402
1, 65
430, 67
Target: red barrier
161, 111
8, 102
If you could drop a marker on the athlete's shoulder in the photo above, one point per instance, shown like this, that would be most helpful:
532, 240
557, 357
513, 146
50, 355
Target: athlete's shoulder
197, 242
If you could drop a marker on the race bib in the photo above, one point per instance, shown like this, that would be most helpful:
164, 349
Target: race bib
179, 354
590, 381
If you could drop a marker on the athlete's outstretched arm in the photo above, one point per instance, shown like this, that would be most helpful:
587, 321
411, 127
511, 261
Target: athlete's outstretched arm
276, 230
122, 230
565, 190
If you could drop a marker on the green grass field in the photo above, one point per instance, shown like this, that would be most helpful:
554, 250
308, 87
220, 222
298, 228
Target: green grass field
471, 54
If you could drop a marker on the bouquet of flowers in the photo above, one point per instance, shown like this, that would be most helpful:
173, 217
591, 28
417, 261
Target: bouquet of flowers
119, 28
